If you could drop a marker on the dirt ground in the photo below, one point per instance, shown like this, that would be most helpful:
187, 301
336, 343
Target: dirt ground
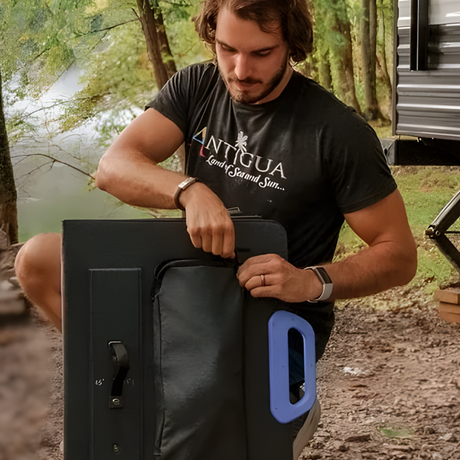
389, 385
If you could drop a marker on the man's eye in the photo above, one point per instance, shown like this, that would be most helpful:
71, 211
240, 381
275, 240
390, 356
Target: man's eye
227, 49
262, 53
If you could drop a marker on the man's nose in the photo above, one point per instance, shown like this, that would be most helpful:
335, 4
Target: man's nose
242, 67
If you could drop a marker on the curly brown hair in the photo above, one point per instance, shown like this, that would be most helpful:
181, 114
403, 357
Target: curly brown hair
294, 16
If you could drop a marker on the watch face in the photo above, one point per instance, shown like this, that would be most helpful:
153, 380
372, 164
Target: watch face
326, 282
323, 275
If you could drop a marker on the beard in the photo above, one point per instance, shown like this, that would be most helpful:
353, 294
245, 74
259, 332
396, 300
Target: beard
249, 97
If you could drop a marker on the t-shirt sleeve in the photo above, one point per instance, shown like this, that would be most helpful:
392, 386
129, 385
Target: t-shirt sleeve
358, 171
183, 93
178, 97
172, 100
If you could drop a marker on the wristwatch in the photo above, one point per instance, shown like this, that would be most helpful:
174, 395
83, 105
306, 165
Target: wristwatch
326, 282
181, 187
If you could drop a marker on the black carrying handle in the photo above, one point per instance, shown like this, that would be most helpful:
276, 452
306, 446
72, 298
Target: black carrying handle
120, 362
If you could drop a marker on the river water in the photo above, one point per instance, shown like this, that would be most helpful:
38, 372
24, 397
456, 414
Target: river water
49, 193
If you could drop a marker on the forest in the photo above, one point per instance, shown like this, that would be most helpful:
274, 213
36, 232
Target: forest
125, 51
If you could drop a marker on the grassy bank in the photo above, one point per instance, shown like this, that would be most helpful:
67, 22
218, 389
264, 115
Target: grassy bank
425, 191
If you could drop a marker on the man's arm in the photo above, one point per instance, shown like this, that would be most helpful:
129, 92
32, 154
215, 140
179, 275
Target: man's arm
129, 170
390, 260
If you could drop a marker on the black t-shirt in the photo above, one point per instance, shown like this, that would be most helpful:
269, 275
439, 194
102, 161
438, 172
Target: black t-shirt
303, 159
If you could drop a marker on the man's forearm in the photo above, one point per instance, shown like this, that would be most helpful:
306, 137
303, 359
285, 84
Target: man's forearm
372, 270
391, 257
138, 181
390, 260
368, 272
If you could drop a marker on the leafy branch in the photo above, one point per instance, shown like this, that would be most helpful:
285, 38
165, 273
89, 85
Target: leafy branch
55, 160
106, 28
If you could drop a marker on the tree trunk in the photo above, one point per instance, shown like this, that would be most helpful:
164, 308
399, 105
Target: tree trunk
382, 57
343, 56
383, 73
368, 54
159, 51
324, 72
8, 195
149, 26
165, 49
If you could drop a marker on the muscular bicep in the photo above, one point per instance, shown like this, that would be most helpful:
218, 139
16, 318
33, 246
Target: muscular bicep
151, 134
382, 222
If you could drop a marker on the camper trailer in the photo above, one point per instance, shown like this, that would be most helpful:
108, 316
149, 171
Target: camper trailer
426, 102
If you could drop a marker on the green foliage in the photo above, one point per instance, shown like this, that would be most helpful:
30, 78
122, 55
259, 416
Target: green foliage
184, 42
426, 190
330, 41
41, 40
327, 37
433, 270
118, 79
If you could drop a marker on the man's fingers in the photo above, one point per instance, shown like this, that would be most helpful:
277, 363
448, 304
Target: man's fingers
266, 264
272, 276
208, 222
264, 292
257, 281
196, 240
218, 241
228, 244
255, 287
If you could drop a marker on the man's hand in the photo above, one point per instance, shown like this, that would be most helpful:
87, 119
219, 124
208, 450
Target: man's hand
271, 276
208, 221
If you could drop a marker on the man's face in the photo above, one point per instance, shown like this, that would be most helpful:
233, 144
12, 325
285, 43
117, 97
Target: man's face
254, 64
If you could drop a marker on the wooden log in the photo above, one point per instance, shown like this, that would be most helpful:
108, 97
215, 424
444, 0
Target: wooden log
451, 317
449, 295
449, 308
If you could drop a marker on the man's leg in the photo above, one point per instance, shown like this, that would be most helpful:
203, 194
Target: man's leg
38, 268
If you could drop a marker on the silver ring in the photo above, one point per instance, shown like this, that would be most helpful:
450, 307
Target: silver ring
262, 279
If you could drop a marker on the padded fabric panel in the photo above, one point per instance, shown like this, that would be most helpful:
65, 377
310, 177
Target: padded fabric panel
198, 330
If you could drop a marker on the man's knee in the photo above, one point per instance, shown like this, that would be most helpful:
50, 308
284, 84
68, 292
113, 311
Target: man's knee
38, 259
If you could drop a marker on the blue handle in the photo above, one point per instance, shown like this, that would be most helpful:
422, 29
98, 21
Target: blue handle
278, 327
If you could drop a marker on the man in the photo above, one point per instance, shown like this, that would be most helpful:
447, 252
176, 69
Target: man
262, 137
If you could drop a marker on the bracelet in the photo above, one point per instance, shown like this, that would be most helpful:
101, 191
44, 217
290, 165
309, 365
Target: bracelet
181, 187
